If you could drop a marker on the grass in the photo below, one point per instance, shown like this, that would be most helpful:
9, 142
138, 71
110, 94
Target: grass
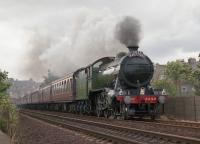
8, 117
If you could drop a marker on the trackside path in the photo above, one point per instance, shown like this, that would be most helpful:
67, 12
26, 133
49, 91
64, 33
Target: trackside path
4, 139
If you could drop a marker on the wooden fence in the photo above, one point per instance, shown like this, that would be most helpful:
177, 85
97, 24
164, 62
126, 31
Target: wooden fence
186, 108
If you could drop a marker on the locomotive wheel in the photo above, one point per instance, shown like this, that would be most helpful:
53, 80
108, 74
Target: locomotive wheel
106, 113
99, 112
101, 104
113, 114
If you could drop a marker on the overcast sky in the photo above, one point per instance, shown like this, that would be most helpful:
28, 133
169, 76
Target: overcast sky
170, 29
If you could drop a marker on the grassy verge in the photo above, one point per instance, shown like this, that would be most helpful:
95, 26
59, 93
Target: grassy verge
8, 117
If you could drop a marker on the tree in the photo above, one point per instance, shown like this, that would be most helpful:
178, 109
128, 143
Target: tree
187, 72
196, 80
4, 83
8, 114
4, 100
165, 84
177, 71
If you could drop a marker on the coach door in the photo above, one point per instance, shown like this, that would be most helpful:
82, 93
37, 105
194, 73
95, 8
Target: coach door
81, 85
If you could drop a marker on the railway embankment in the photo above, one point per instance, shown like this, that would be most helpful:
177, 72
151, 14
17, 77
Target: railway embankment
8, 120
32, 131
4, 139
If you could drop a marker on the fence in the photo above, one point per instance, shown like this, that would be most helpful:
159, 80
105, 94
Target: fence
186, 108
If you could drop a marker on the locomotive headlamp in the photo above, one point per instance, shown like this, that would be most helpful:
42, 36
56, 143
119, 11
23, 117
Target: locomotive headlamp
164, 92
121, 92
142, 91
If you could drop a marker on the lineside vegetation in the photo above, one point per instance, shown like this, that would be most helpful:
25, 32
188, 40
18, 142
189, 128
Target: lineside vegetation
176, 73
8, 114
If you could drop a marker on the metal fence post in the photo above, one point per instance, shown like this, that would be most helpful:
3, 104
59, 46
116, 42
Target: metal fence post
184, 109
195, 110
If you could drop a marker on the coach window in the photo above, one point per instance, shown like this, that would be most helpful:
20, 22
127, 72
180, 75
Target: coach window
96, 66
59, 87
62, 86
56, 88
46, 92
71, 85
43, 93
52, 89
65, 85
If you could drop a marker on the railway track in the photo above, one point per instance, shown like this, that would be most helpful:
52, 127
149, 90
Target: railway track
146, 124
110, 132
195, 125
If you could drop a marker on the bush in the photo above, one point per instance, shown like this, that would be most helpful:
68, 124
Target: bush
2, 124
8, 115
167, 85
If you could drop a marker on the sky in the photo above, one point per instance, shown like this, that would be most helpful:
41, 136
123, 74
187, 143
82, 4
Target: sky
49, 28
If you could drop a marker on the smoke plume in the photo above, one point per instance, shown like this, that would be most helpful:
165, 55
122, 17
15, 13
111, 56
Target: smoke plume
128, 31
74, 39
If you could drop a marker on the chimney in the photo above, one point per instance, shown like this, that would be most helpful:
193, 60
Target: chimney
132, 48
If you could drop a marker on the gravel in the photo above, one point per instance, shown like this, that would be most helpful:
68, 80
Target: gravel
140, 125
32, 131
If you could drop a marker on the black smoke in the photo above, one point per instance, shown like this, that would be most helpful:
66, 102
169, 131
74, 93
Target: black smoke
128, 31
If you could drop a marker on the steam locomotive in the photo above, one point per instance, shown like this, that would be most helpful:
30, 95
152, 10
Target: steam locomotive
111, 86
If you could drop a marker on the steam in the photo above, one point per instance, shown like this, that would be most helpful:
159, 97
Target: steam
37, 43
75, 39
128, 31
